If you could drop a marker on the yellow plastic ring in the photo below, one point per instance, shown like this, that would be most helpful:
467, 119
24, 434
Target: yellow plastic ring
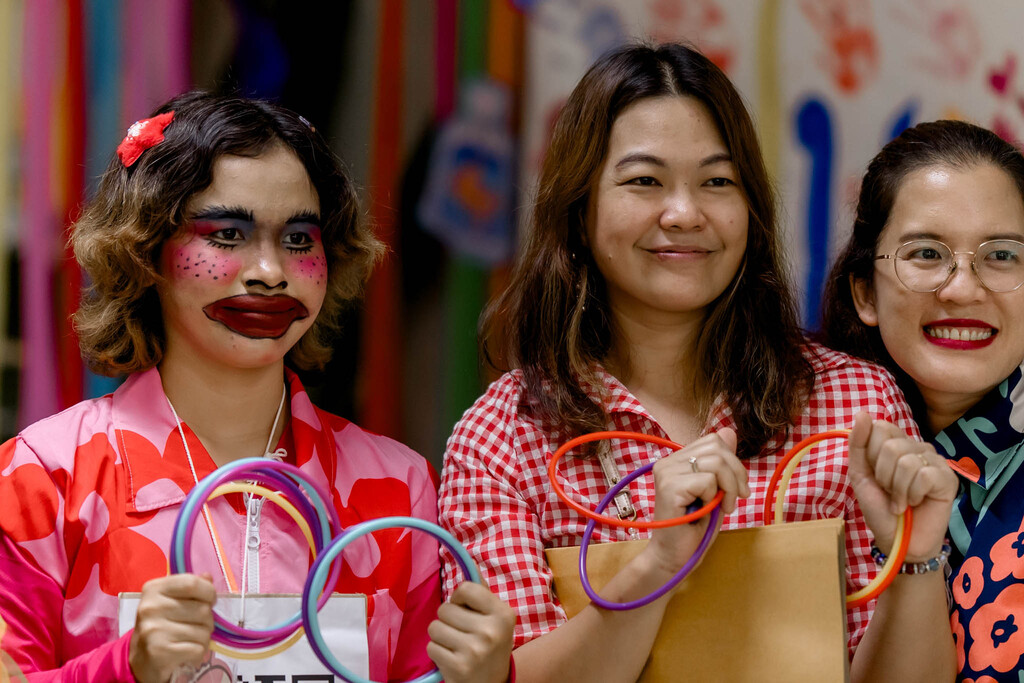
892, 562
272, 496
282, 502
889, 569
257, 654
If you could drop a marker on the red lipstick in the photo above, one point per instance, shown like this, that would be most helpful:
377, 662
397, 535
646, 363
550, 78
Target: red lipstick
960, 333
257, 316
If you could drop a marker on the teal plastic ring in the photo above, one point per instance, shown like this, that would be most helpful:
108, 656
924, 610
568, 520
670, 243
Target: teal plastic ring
318, 576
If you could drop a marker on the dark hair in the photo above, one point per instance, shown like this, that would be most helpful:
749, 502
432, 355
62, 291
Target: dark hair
553, 320
956, 144
137, 208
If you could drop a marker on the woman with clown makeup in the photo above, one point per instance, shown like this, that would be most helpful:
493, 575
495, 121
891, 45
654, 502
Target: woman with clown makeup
223, 243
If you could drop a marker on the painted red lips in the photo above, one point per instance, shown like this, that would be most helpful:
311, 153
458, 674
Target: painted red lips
257, 316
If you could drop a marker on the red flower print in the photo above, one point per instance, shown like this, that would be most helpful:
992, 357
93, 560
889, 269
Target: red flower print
28, 522
967, 584
997, 630
1008, 555
958, 639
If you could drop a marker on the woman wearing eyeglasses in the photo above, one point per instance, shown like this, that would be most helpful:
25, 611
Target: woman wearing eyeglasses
930, 285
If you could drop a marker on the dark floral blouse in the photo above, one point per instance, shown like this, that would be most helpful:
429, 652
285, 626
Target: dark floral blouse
986, 449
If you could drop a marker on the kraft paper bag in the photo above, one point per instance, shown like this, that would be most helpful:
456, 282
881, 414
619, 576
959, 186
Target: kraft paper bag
766, 604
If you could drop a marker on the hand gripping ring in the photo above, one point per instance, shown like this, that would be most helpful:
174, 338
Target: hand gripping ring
315, 582
271, 473
615, 521
901, 541
690, 565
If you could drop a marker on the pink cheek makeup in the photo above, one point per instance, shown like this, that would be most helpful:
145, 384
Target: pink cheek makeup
311, 267
197, 261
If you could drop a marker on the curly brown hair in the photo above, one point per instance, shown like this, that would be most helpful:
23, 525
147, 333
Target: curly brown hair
553, 320
137, 208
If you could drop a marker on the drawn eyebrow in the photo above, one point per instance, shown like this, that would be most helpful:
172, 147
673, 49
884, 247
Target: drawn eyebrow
238, 213
304, 217
219, 213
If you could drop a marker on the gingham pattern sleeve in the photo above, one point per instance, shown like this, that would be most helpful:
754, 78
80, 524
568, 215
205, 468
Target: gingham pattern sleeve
496, 499
482, 507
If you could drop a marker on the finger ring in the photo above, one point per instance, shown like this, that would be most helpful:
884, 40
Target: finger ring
924, 460
693, 464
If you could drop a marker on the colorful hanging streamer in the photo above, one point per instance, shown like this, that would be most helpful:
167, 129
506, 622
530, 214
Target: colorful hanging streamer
381, 381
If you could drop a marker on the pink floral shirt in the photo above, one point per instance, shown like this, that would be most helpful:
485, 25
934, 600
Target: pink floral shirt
88, 500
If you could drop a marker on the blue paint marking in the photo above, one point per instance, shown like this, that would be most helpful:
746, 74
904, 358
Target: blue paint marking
905, 119
814, 130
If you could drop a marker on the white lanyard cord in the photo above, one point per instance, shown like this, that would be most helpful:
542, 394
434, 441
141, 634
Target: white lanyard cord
248, 498
195, 478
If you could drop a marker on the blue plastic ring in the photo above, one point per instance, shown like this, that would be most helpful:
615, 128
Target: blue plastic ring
316, 579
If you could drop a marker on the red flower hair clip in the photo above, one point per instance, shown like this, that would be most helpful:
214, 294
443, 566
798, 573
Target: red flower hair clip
141, 136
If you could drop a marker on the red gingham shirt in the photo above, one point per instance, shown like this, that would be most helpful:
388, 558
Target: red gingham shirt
496, 500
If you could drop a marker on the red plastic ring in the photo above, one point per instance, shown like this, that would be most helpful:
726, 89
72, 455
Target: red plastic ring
615, 521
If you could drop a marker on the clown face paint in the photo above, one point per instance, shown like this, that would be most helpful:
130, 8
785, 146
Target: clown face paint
246, 276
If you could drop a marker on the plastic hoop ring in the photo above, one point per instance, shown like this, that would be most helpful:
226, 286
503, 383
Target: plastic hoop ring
246, 649
225, 631
904, 522
259, 654
275, 498
615, 521
316, 579
293, 481
684, 571
797, 450
892, 564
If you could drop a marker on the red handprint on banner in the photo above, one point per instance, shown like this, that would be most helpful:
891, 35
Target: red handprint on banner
1001, 80
703, 22
948, 42
851, 48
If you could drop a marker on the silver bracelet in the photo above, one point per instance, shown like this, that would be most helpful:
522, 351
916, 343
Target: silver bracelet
929, 565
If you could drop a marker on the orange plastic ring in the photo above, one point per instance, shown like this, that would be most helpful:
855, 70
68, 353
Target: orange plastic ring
615, 521
892, 565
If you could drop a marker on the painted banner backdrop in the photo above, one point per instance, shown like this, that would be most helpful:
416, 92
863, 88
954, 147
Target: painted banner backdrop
827, 81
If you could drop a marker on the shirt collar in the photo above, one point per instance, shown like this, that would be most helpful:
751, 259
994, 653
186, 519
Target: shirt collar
984, 440
150, 445
619, 399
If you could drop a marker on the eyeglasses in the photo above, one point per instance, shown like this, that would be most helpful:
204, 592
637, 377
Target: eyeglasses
927, 265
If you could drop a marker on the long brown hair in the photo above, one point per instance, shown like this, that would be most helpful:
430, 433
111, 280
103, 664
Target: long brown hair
956, 144
553, 320
117, 240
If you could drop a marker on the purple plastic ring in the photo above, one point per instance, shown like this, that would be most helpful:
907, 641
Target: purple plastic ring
690, 565
289, 479
232, 634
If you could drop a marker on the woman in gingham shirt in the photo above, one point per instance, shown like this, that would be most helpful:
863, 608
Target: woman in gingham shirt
650, 297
